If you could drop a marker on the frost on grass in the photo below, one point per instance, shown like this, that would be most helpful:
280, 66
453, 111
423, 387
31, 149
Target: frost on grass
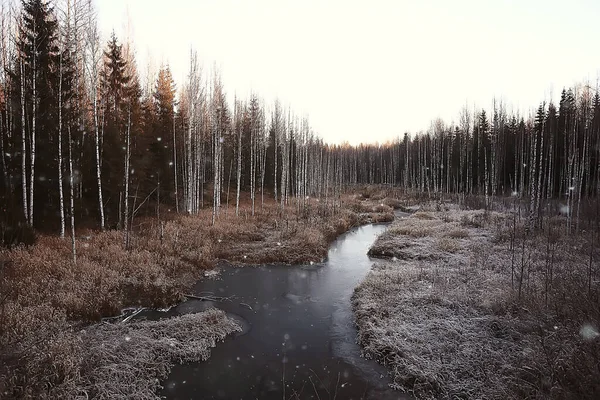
433, 343
115, 361
441, 315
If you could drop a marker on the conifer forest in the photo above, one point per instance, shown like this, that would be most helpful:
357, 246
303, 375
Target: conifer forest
119, 189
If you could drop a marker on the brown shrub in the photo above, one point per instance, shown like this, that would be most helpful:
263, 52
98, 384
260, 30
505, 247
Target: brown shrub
393, 203
382, 208
412, 230
474, 219
449, 245
458, 233
424, 215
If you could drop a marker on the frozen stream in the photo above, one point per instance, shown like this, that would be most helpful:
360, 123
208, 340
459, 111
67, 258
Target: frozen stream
299, 338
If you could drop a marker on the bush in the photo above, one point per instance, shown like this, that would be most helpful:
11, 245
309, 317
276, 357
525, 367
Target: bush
424, 215
458, 233
393, 203
473, 219
449, 245
14, 229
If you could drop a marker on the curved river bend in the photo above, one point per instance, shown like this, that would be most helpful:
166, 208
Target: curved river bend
299, 339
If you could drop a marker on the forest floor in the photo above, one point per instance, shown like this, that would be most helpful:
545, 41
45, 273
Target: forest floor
50, 343
471, 305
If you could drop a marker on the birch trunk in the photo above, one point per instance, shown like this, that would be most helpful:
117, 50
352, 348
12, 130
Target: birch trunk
175, 166
23, 144
239, 172
540, 176
71, 197
61, 203
253, 123
98, 160
126, 179
33, 134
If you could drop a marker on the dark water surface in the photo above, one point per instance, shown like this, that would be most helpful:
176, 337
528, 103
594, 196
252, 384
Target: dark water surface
299, 339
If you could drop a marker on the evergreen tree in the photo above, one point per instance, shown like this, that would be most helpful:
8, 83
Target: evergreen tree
36, 74
115, 90
160, 142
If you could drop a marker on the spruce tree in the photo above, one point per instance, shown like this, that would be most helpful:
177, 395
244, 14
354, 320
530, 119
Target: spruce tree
161, 141
115, 90
37, 71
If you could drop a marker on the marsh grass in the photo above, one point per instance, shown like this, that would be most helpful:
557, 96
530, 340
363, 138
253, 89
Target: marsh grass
479, 308
42, 290
110, 361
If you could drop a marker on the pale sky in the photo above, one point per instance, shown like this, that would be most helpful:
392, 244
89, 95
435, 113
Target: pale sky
367, 71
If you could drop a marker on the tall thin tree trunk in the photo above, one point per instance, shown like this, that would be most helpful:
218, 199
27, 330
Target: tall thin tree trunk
229, 184
275, 168
98, 160
262, 176
71, 197
33, 134
175, 166
61, 203
126, 178
540, 175
3, 153
239, 172
23, 144
253, 162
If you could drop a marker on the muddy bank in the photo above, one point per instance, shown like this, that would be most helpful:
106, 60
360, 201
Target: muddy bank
443, 311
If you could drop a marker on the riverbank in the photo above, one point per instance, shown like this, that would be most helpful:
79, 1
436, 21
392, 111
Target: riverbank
46, 299
470, 304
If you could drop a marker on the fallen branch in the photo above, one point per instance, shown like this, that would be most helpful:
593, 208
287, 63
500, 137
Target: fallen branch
125, 320
208, 298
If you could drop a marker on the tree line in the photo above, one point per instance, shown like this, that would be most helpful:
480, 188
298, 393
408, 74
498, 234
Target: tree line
81, 139
554, 153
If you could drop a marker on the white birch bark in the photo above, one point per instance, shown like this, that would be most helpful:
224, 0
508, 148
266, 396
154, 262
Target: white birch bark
33, 130
71, 198
126, 179
23, 143
175, 166
61, 201
239, 169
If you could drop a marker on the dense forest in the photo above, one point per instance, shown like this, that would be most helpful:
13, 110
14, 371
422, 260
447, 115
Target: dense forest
81, 139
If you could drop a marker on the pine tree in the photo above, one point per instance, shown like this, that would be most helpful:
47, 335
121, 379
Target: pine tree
37, 49
161, 147
115, 90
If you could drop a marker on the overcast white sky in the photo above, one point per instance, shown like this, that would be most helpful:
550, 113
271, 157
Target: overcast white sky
368, 71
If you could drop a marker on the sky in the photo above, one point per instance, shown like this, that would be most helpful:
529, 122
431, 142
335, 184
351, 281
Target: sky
366, 71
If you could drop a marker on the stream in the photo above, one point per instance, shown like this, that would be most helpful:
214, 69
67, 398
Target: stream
298, 339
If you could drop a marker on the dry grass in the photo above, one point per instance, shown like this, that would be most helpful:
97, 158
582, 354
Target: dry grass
435, 347
111, 361
442, 316
424, 215
396, 204
458, 233
41, 287
449, 245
